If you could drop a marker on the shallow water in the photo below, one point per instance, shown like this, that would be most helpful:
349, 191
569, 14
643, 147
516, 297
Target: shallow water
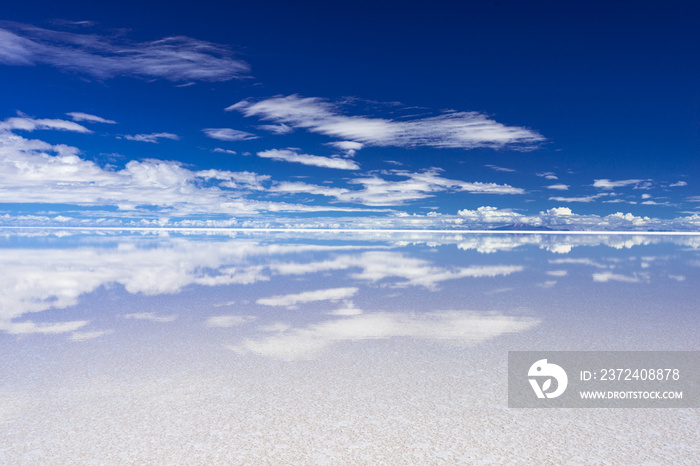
354, 348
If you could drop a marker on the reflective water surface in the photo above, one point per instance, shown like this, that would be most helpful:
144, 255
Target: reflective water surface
355, 348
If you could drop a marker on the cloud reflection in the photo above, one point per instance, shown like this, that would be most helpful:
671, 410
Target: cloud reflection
457, 327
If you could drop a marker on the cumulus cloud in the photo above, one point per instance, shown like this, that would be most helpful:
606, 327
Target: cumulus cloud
153, 137
33, 171
79, 116
288, 155
176, 58
228, 134
330, 294
465, 130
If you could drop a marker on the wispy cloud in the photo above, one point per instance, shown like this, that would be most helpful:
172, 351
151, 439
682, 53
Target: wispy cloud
465, 130
609, 276
32, 124
276, 129
85, 336
559, 186
151, 316
607, 184
457, 327
379, 266
28, 327
224, 151
330, 294
288, 155
377, 191
152, 137
590, 198
176, 59
227, 321
678, 184
79, 116
228, 134
500, 169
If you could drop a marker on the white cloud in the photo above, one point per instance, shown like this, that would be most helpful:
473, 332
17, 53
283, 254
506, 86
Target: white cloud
153, 137
609, 276
377, 266
224, 151
557, 273
287, 155
678, 184
228, 134
559, 186
548, 175
29, 327
176, 58
466, 130
227, 321
349, 147
151, 316
276, 129
582, 261
489, 214
330, 294
32, 124
590, 198
79, 116
607, 184
500, 169
454, 327
33, 171
379, 191
85, 336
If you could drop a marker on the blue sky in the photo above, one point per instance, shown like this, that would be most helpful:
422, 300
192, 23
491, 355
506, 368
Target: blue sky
446, 115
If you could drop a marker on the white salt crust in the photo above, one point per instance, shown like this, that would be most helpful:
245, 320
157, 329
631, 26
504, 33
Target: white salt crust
396, 402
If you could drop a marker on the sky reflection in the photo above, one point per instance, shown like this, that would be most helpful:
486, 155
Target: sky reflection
240, 344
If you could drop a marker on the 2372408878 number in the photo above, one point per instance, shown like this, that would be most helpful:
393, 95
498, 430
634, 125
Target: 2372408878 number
639, 374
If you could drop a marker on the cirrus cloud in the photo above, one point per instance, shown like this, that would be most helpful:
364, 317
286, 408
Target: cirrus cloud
175, 58
463, 130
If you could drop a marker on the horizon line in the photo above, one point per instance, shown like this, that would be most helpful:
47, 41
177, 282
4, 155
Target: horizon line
362, 230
